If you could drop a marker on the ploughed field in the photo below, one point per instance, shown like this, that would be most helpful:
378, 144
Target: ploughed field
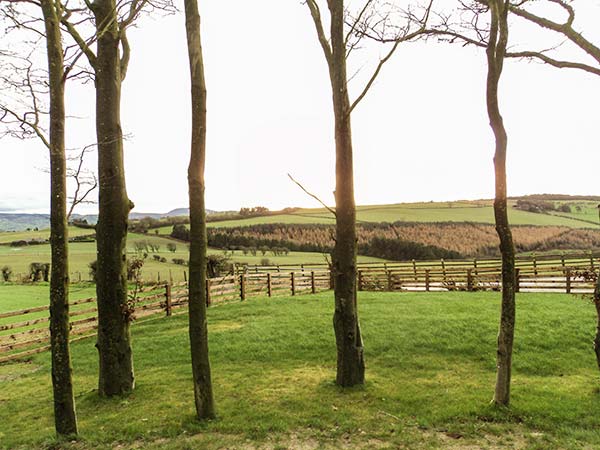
430, 361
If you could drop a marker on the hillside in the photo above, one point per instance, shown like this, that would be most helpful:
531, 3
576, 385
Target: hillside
479, 211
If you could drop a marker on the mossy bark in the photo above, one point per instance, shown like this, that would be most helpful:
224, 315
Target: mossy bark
495, 52
350, 358
65, 419
198, 329
114, 342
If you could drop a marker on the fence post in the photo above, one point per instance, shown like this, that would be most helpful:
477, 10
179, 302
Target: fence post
427, 280
293, 280
185, 276
475, 265
242, 286
313, 286
168, 299
469, 280
208, 297
390, 281
269, 285
415, 269
562, 260
535, 272
568, 281
443, 268
360, 280
517, 280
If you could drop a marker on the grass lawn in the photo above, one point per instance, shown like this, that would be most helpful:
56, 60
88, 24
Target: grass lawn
430, 375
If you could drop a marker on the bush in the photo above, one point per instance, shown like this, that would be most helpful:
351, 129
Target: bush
217, 266
134, 268
171, 247
178, 261
39, 271
6, 273
266, 262
156, 258
93, 266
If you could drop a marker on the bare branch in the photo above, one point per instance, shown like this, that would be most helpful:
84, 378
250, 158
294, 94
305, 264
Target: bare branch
313, 196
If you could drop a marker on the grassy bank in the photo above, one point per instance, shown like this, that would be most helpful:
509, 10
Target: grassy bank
430, 374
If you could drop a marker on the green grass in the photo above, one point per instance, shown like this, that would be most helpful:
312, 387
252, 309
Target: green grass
463, 211
10, 236
82, 253
14, 297
430, 374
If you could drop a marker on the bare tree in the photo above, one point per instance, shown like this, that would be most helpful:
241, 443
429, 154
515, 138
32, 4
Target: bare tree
109, 63
31, 123
198, 330
345, 34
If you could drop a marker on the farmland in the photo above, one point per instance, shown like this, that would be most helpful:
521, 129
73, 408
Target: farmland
82, 253
429, 379
480, 211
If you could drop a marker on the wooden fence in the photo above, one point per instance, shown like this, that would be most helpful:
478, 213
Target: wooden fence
26, 332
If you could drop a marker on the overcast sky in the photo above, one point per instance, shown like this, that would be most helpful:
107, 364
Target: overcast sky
421, 134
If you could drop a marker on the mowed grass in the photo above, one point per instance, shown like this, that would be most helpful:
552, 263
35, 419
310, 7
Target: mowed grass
430, 362
14, 297
462, 211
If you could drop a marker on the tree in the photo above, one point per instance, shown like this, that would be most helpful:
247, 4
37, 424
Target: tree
65, 419
495, 52
109, 66
198, 330
344, 37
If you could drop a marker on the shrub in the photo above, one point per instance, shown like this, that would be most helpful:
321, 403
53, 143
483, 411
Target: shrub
156, 258
265, 262
171, 247
6, 273
39, 271
217, 265
134, 268
178, 261
93, 266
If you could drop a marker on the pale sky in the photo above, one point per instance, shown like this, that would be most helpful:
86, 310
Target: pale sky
421, 134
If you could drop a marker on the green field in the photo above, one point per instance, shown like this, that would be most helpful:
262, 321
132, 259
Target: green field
82, 253
10, 236
463, 211
430, 375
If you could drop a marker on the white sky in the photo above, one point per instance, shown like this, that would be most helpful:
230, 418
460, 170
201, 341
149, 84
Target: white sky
421, 134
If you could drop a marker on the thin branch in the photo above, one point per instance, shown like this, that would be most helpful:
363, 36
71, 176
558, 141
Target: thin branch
332, 211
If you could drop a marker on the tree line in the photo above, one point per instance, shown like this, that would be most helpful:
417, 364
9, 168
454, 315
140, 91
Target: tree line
90, 40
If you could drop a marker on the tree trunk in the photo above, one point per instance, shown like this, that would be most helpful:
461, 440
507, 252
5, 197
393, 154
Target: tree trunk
198, 330
350, 361
597, 305
65, 419
495, 55
114, 343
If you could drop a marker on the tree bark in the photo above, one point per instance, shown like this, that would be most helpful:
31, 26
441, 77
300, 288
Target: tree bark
65, 419
496, 51
114, 343
198, 329
597, 305
350, 360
